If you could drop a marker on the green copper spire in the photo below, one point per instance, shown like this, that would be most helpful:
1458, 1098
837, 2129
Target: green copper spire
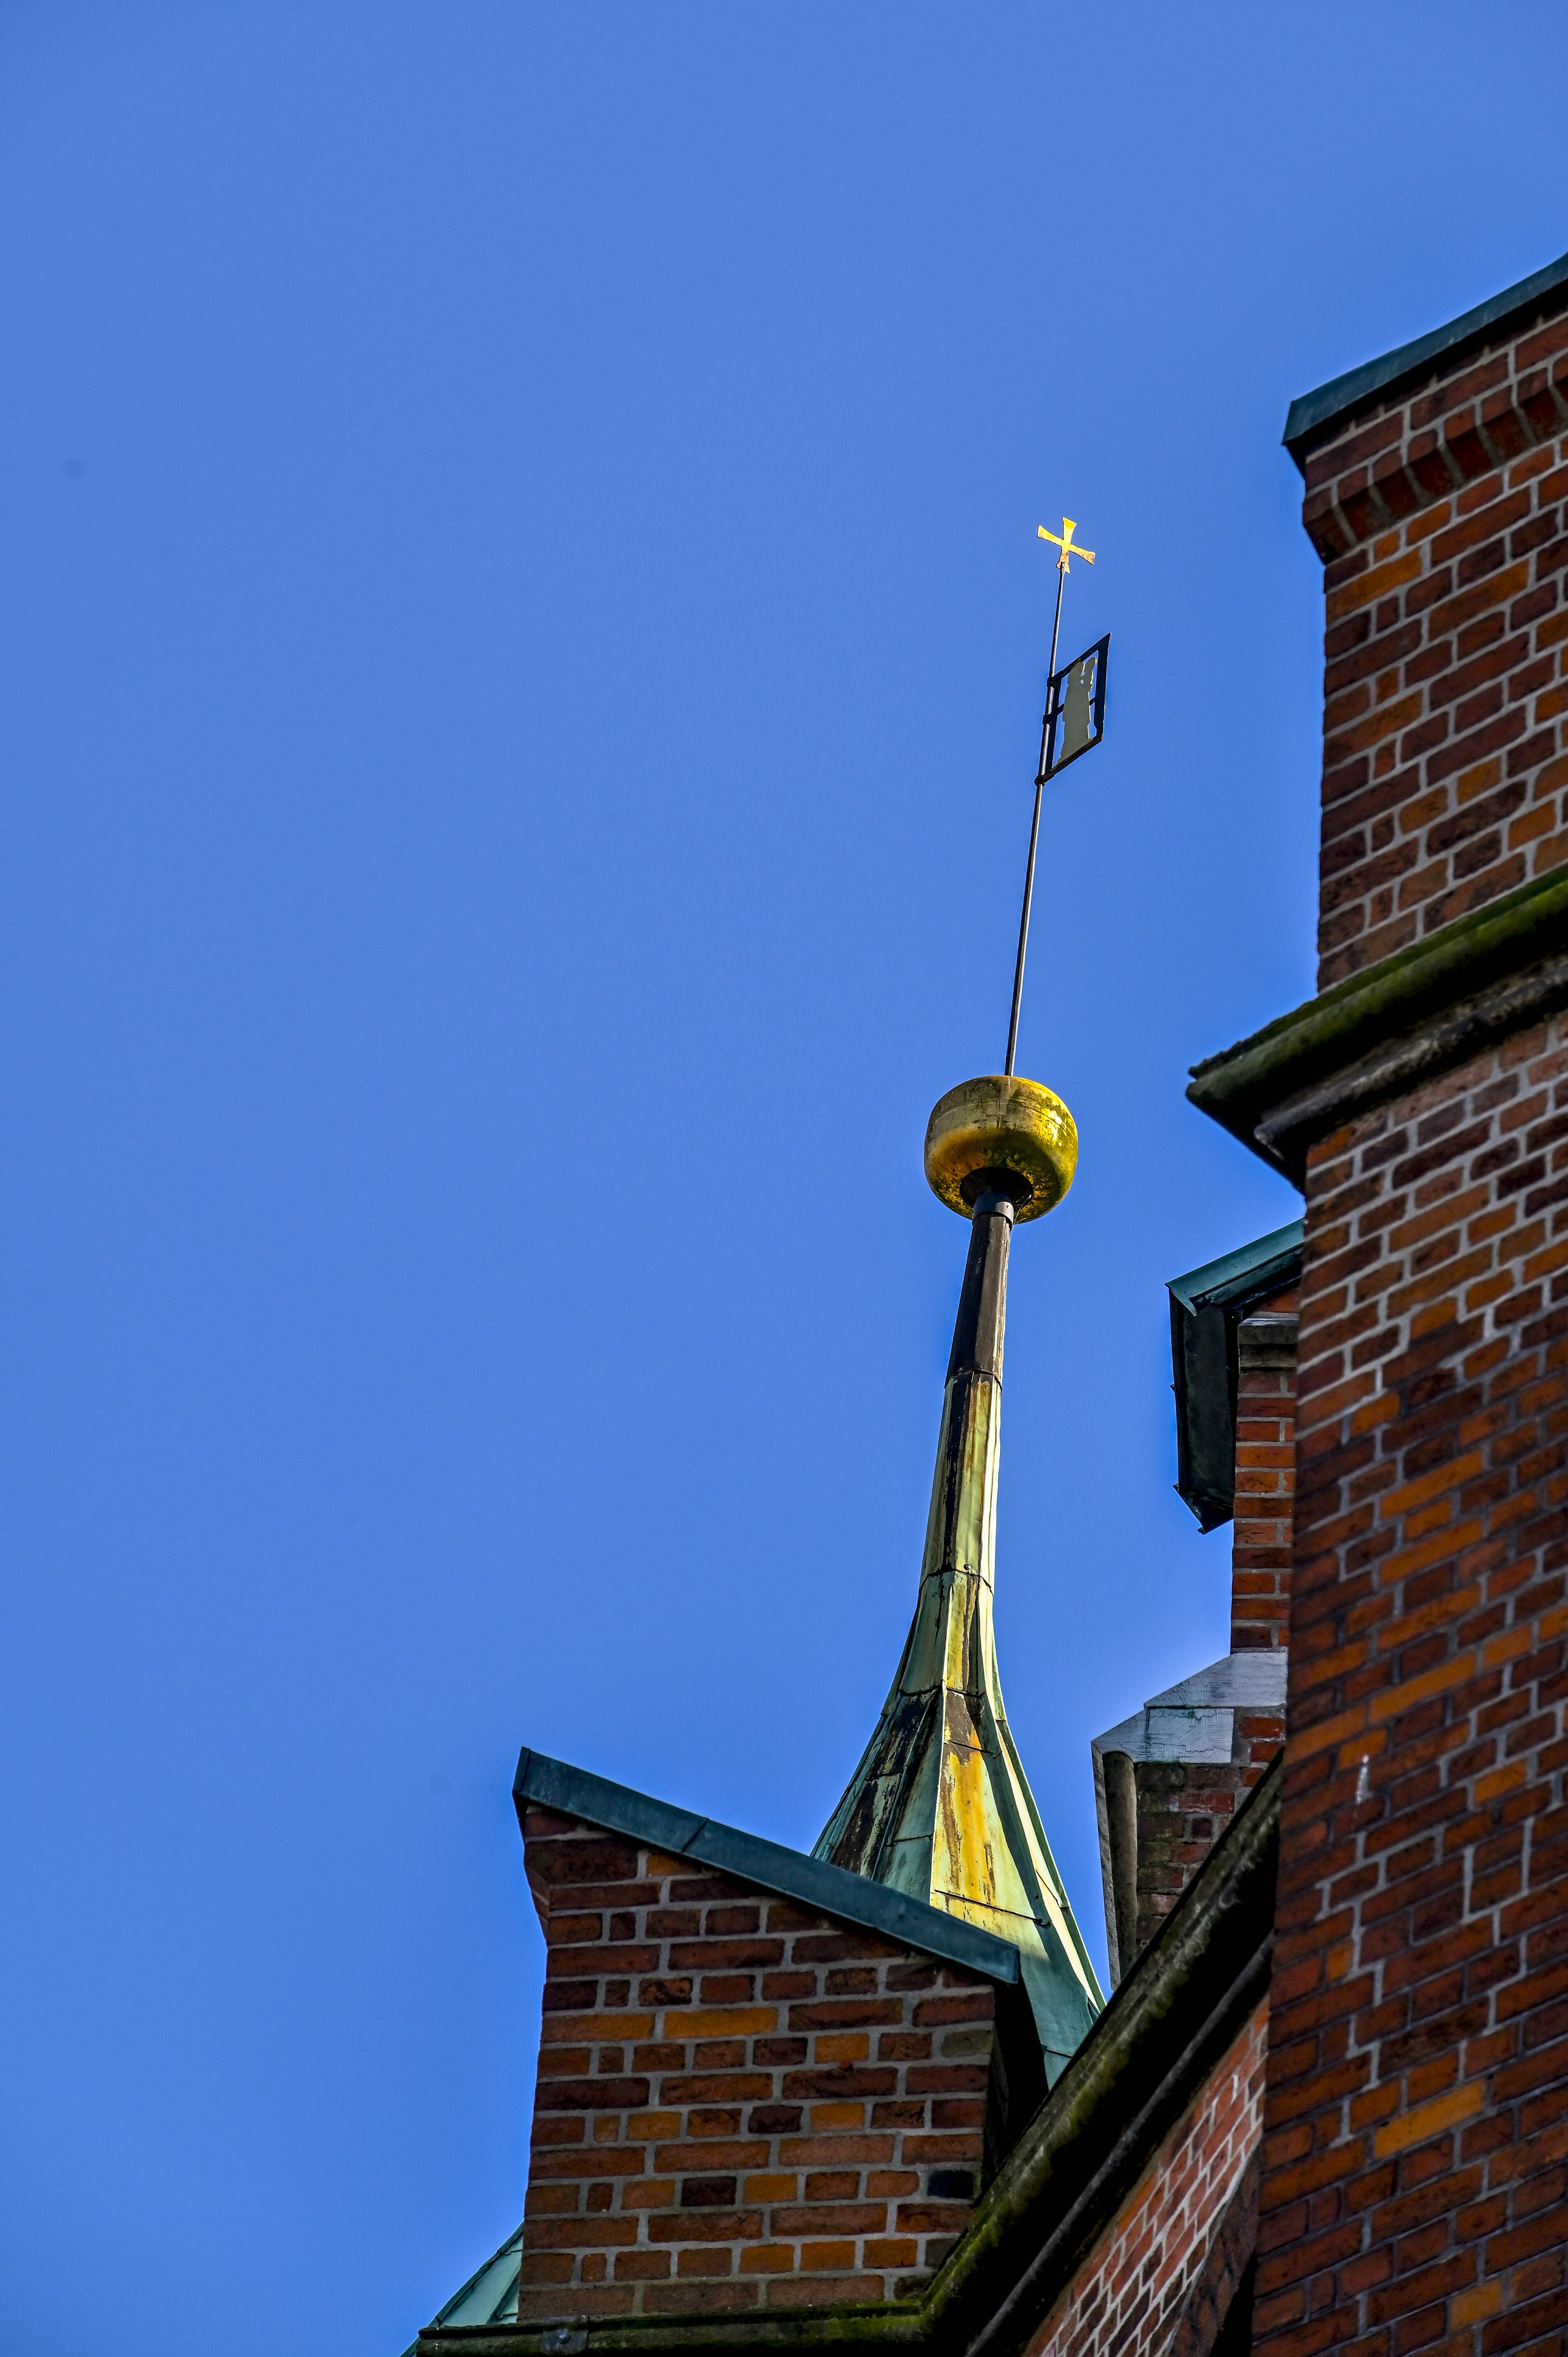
939, 1805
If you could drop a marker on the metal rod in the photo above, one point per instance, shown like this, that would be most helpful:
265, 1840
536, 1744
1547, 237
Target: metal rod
1034, 840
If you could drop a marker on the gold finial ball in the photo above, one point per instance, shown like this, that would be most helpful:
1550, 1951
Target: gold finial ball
999, 1129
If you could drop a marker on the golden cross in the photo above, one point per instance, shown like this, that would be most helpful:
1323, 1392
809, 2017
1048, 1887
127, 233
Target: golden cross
1069, 546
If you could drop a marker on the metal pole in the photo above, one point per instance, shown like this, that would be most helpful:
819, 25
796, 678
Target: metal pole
1034, 839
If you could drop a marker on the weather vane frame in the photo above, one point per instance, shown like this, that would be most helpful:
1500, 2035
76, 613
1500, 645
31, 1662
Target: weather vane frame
1075, 712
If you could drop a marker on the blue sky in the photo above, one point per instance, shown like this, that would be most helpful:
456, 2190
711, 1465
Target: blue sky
523, 658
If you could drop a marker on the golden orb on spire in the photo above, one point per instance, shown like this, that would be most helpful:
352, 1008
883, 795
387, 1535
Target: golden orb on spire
1003, 1136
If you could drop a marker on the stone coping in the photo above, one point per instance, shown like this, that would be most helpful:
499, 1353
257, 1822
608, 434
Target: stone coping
788, 1873
1315, 416
1379, 1032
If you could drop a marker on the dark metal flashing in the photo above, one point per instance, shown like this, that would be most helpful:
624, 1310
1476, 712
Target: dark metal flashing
1317, 416
1207, 1306
811, 1882
1248, 1273
1403, 1021
1191, 1990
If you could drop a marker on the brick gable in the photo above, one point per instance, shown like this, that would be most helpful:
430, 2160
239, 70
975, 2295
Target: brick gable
741, 2102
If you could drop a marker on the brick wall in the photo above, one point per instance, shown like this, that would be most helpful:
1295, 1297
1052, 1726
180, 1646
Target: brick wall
1164, 2260
1440, 520
1415, 2169
739, 2103
1183, 1807
1265, 1478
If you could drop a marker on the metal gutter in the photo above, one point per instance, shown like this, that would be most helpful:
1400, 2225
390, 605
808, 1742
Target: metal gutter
1250, 1272
1314, 417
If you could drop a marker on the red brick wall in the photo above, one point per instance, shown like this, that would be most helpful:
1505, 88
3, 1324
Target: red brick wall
1130, 2294
1415, 2168
1265, 1491
739, 2103
1440, 519
1184, 1806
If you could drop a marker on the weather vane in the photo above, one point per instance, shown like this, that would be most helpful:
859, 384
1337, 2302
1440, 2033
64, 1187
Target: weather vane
1074, 724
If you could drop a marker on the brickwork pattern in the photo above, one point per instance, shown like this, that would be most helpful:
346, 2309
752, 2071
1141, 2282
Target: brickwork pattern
1266, 1498
1184, 1806
1415, 2163
740, 2104
1128, 2296
1441, 523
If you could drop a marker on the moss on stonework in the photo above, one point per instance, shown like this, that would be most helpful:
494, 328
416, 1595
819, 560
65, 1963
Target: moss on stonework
1391, 1000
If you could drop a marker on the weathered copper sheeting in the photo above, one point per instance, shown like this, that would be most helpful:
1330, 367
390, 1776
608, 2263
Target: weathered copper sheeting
939, 1805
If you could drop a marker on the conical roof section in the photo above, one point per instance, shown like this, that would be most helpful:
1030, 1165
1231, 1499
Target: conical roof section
939, 1805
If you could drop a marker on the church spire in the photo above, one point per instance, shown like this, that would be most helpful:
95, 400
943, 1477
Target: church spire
939, 1805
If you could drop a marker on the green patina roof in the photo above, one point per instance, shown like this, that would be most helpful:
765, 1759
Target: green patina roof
1415, 1013
939, 1805
1267, 1263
